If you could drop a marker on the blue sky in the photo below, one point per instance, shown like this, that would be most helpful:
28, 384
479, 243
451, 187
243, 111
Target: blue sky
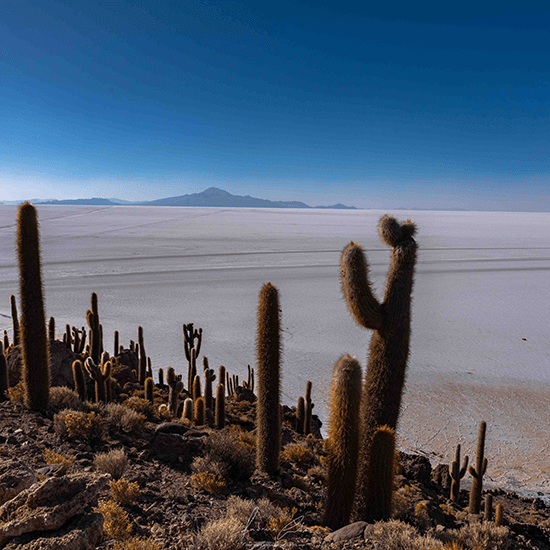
395, 106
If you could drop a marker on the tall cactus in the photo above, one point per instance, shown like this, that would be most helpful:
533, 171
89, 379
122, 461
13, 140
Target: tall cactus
79, 382
142, 369
33, 335
343, 441
220, 407
92, 318
308, 408
389, 345
457, 473
478, 472
51, 328
149, 390
268, 421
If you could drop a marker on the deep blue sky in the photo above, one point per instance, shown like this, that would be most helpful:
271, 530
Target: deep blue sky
403, 106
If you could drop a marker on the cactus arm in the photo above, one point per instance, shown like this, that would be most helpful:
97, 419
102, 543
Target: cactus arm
462, 471
357, 290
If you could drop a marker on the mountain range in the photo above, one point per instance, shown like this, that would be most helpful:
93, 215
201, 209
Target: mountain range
209, 197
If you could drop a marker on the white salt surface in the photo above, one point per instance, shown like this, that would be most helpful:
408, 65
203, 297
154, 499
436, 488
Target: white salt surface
480, 347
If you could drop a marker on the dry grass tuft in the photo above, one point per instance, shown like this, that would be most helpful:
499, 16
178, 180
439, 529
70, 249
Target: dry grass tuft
51, 457
139, 405
223, 534
483, 535
209, 482
397, 535
203, 464
124, 492
234, 451
114, 462
62, 397
120, 417
116, 524
78, 425
137, 543
298, 454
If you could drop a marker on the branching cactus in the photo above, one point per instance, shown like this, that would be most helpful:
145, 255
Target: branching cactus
100, 376
389, 345
92, 318
343, 441
4, 380
268, 421
478, 472
220, 407
79, 381
33, 335
14, 320
457, 473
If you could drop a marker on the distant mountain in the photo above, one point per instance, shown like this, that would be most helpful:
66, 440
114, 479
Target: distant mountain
209, 197
83, 202
218, 197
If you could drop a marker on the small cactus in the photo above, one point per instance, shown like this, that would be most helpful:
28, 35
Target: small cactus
220, 407
15, 320
79, 382
196, 387
149, 389
343, 441
198, 412
161, 377
499, 514
457, 473
488, 508
188, 409
478, 472
4, 380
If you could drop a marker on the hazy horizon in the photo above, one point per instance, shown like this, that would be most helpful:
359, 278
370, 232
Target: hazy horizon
383, 107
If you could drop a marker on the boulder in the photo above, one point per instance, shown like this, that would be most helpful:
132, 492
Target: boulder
15, 476
351, 531
61, 364
49, 504
441, 477
83, 532
188, 445
416, 468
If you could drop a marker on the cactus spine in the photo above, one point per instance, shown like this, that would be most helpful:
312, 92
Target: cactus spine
389, 345
79, 382
33, 335
457, 473
478, 472
220, 407
4, 380
268, 422
343, 441
380, 475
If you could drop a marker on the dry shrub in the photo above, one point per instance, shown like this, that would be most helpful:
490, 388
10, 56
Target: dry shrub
422, 516
483, 535
298, 454
116, 524
209, 482
140, 405
118, 416
78, 425
124, 492
223, 534
51, 457
62, 397
137, 543
232, 450
397, 535
454, 546
114, 462
283, 524
317, 473
300, 482
16, 393
203, 464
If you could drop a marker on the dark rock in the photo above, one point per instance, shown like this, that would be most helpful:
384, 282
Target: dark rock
15, 476
244, 394
61, 364
176, 444
416, 468
172, 428
351, 531
126, 362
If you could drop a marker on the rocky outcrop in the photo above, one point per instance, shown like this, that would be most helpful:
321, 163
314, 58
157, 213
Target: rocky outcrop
49, 504
15, 476
61, 364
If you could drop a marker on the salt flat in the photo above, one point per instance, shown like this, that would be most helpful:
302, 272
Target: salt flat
480, 344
